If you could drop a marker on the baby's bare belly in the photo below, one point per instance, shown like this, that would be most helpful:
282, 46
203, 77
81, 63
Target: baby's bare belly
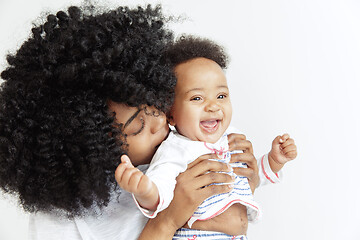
233, 221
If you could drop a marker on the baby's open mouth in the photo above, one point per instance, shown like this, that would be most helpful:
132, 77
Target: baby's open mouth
210, 126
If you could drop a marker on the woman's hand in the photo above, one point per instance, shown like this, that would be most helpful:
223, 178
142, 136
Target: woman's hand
190, 191
239, 142
234, 220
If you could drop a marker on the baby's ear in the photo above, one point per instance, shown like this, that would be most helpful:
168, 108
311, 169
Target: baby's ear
170, 120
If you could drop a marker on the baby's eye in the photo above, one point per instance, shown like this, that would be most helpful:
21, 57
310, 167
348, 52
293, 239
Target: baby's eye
221, 96
195, 99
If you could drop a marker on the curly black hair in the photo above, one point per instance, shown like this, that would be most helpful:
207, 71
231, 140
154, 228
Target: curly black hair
188, 47
59, 146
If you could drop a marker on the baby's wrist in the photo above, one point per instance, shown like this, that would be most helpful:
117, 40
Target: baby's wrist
273, 159
150, 200
275, 165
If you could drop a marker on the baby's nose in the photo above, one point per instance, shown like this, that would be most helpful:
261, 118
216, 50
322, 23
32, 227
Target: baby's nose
212, 107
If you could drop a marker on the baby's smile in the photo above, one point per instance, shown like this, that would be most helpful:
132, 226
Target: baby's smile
210, 126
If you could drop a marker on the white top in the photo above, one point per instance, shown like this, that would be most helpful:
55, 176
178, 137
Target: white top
119, 220
172, 158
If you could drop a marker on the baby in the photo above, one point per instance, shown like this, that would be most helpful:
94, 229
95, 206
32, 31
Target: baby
201, 115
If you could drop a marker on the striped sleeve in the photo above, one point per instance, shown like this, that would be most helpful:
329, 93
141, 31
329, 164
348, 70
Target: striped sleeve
265, 173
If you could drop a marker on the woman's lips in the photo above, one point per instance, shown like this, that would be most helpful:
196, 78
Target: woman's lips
209, 126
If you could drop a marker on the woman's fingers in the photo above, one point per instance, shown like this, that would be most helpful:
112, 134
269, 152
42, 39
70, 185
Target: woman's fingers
193, 186
247, 158
239, 142
201, 158
205, 165
212, 177
251, 172
236, 136
197, 189
244, 172
211, 190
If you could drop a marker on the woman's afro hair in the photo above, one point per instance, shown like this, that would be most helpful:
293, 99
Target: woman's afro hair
58, 145
188, 47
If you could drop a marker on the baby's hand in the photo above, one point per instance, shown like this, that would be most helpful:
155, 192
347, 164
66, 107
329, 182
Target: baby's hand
132, 179
283, 149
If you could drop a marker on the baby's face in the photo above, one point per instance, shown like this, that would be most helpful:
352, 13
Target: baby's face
202, 108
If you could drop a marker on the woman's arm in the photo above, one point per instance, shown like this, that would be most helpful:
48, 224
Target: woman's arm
189, 193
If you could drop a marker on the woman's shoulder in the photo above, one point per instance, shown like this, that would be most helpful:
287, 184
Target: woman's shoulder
120, 219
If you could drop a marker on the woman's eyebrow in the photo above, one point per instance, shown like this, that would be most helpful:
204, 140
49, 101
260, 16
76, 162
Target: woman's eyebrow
132, 117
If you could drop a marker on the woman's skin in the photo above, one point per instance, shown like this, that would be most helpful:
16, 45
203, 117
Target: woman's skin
146, 128
145, 132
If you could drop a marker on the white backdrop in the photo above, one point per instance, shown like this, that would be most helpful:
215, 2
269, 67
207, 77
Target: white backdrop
295, 68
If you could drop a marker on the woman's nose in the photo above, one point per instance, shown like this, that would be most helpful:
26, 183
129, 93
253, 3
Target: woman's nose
212, 106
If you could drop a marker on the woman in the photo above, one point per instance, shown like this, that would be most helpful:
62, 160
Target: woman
83, 90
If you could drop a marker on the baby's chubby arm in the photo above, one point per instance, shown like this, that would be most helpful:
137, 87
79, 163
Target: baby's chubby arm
134, 181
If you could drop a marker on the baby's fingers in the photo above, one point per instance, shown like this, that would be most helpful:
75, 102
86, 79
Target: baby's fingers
125, 159
125, 163
290, 151
284, 137
138, 183
287, 143
130, 179
124, 171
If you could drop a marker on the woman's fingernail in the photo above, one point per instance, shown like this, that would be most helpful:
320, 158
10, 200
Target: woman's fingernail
230, 186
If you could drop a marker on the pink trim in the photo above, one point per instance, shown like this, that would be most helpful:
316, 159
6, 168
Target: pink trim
162, 202
211, 149
263, 169
219, 152
226, 206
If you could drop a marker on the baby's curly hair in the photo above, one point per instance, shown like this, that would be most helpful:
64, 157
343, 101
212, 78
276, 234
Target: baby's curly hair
58, 145
188, 47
